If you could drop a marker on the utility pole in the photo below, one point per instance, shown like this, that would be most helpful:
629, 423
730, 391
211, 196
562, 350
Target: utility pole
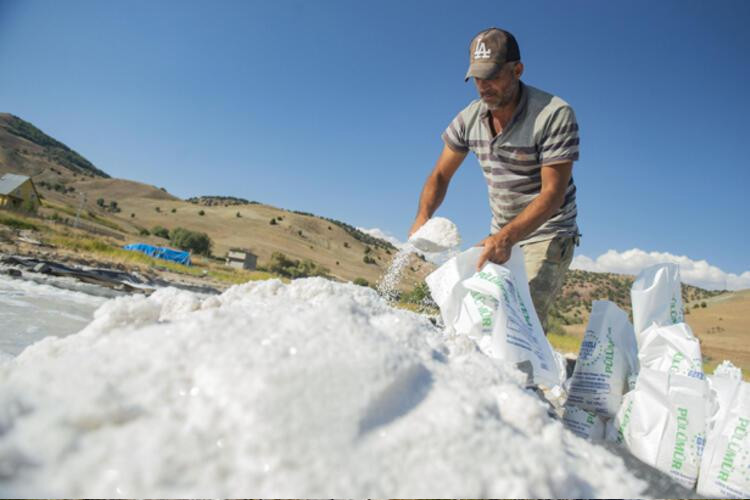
80, 207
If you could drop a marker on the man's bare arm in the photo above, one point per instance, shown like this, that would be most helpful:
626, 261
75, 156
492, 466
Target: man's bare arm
436, 186
555, 179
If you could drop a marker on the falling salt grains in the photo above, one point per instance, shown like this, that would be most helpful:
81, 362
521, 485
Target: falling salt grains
436, 235
387, 287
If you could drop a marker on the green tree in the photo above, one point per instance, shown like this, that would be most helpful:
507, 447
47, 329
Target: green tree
100, 202
160, 231
185, 239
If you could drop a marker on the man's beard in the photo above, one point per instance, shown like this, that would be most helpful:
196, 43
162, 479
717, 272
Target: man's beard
498, 101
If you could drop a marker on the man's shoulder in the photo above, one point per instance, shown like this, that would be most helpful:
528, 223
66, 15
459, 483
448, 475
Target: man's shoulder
474, 108
544, 102
471, 115
544, 108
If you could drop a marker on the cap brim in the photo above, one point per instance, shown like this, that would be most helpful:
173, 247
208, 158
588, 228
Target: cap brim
483, 70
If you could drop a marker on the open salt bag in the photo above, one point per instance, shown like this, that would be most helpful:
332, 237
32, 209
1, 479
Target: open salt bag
607, 357
671, 348
663, 421
516, 333
445, 283
585, 424
725, 468
656, 296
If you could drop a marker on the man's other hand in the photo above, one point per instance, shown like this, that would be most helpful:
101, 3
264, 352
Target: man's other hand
497, 249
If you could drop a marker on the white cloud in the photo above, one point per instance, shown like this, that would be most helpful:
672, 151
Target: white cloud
693, 272
379, 233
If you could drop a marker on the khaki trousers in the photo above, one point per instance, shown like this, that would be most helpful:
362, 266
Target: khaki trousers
546, 264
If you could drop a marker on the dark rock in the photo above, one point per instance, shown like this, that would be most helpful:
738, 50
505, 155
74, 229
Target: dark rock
41, 268
13, 272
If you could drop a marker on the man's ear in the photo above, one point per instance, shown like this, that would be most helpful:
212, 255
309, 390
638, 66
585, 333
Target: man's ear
518, 70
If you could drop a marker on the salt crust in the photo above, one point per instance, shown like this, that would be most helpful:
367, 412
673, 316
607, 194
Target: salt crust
311, 389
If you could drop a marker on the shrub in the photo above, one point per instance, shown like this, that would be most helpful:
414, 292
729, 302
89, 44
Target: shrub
16, 223
144, 232
174, 210
132, 216
418, 294
368, 260
202, 213
161, 232
194, 241
100, 202
238, 215
554, 326
361, 282
346, 245
272, 222
158, 209
368, 250
703, 304
292, 268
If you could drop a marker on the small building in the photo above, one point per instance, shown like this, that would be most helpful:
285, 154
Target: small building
18, 192
241, 258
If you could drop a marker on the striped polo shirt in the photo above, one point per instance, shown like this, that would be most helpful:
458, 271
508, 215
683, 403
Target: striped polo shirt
543, 130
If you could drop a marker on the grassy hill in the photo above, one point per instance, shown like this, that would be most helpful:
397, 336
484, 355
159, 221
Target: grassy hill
27, 150
127, 210
717, 318
581, 288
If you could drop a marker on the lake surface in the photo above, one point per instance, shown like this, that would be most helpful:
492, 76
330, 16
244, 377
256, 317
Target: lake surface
31, 310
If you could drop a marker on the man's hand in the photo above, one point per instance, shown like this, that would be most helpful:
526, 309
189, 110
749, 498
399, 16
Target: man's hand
496, 249
418, 222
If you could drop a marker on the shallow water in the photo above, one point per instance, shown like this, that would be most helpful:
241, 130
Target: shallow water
30, 311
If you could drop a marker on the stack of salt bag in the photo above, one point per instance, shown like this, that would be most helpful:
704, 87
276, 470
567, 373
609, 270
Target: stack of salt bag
493, 306
662, 421
725, 467
607, 359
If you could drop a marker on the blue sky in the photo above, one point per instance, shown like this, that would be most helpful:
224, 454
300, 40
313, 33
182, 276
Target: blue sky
336, 108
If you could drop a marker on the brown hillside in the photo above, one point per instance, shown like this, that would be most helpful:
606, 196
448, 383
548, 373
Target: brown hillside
127, 208
723, 327
718, 319
25, 149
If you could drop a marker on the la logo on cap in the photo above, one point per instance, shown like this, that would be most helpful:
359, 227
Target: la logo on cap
481, 51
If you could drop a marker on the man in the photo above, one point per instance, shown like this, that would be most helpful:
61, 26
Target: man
526, 141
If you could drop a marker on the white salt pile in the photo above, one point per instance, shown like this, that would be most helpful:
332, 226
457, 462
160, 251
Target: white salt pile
436, 235
311, 389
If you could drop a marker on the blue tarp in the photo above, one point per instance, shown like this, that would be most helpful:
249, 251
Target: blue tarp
160, 252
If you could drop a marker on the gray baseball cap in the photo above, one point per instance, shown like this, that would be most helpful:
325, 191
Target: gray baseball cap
489, 51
